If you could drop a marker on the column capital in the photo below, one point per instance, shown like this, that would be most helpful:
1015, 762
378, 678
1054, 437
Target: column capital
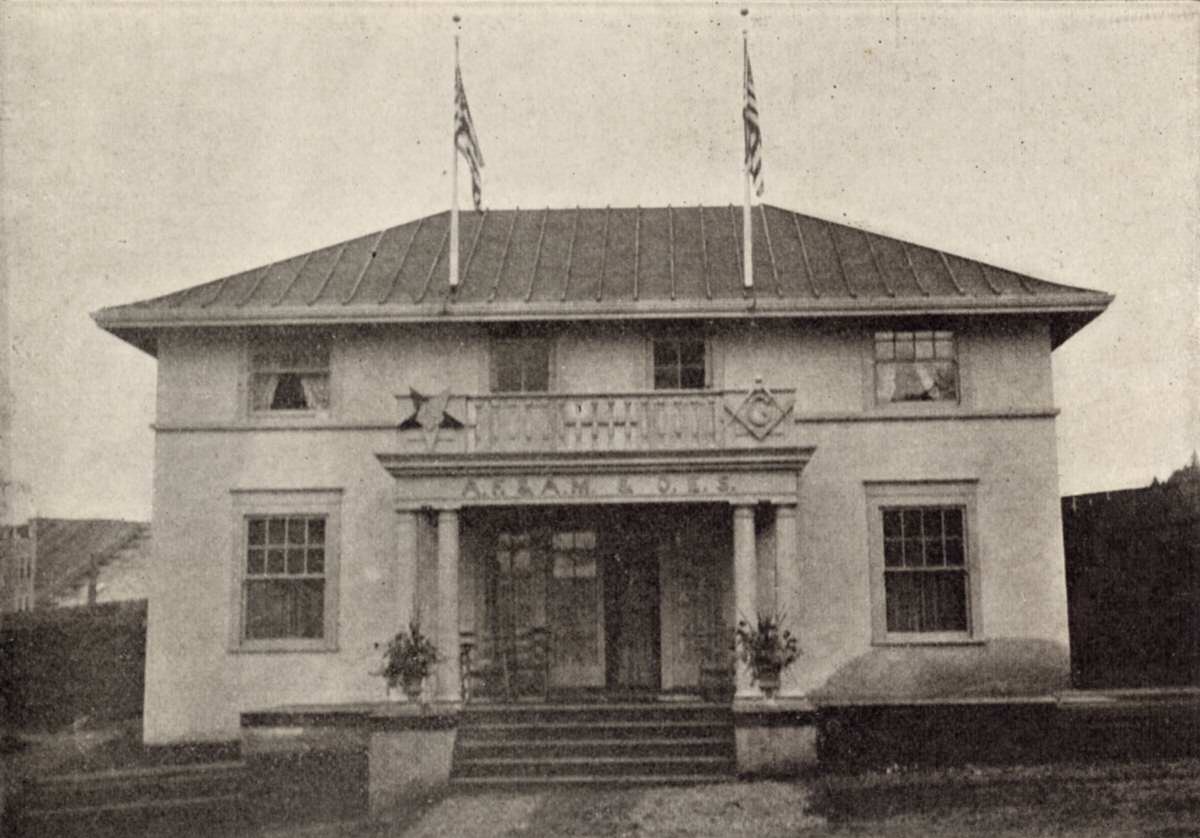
743, 510
786, 510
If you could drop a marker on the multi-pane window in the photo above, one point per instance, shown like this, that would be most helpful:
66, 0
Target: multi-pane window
925, 569
680, 363
283, 588
915, 366
574, 554
521, 365
292, 378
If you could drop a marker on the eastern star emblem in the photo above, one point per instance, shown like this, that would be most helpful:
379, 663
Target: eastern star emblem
430, 415
760, 412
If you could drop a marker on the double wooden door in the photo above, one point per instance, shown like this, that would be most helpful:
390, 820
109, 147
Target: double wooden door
627, 598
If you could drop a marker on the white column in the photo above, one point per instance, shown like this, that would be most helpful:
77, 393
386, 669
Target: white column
449, 687
406, 568
745, 586
787, 582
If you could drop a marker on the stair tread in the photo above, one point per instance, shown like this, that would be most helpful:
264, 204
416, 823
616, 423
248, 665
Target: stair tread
134, 805
630, 724
117, 775
608, 743
664, 706
592, 779
590, 760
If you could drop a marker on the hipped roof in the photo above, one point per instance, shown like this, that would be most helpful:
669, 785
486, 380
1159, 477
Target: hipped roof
658, 262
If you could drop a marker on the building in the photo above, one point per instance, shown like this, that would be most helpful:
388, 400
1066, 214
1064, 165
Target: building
17, 568
57, 562
600, 442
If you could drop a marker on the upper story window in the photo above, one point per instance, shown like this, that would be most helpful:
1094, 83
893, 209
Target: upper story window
290, 378
915, 367
521, 365
681, 363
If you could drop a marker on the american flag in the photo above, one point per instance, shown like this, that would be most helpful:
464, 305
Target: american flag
465, 139
752, 131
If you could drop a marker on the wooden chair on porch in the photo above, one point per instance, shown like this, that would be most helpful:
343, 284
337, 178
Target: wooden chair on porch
507, 667
718, 665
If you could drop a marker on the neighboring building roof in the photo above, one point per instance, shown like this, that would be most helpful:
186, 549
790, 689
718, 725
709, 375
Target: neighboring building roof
65, 549
602, 263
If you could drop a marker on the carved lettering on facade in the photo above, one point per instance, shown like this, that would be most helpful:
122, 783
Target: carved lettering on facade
597, 486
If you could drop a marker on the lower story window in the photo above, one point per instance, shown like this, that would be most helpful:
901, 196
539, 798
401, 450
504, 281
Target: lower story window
925, 572
924, 563
286, 570
285, 577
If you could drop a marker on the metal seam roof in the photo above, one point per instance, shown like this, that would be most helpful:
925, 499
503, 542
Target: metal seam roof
606, 262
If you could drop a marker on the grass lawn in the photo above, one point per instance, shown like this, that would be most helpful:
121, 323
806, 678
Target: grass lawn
1113, 800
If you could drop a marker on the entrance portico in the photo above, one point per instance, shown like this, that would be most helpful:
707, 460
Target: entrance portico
618, 571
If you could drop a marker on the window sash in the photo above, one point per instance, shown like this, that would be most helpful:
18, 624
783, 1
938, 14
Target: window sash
924, 564
521, 365
916, 366
927, 602
680, 363
283, 609
284, 602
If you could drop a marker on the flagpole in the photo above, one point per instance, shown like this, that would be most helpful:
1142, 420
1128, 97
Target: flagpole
454, 176
747, 216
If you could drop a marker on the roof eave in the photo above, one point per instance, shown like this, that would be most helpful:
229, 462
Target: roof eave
131, 324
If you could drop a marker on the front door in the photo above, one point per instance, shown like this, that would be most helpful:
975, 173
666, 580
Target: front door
632, 606
574, 608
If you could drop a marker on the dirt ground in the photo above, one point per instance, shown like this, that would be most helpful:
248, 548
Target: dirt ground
1159, 800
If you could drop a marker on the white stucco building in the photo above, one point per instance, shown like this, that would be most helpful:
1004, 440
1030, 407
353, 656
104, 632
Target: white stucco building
601, 440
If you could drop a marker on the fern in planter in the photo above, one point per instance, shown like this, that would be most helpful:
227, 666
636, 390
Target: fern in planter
408, 659
767, 648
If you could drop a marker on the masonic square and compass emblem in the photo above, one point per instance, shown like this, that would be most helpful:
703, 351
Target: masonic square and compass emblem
760, 412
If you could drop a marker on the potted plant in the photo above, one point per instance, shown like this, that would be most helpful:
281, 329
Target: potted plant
408, 659
767, 648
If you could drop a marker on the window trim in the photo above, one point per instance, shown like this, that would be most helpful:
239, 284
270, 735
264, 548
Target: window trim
495, 340
962, 355
267, 341
248, 503
923, 493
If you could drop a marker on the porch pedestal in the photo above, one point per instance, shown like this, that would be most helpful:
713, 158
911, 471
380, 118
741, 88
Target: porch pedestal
745, 584
449, 685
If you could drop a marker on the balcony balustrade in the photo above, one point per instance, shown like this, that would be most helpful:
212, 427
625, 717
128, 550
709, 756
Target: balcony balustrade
644, 421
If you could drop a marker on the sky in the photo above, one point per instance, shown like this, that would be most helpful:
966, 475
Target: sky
149, 148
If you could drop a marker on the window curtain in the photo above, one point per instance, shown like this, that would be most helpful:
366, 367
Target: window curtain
316, 391
263, 390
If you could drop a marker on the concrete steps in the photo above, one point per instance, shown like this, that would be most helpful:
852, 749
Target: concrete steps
175, 798
511, 745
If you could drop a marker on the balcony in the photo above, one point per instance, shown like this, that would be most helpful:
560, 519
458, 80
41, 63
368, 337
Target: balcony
573, 422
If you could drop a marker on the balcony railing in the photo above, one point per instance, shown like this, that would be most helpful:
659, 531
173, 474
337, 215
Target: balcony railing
645, 421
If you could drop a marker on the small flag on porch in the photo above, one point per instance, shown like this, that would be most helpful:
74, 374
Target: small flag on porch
465, 139
753, 134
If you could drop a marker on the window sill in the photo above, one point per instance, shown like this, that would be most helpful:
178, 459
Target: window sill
286, 415
930, 640
259, 647
917, 408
